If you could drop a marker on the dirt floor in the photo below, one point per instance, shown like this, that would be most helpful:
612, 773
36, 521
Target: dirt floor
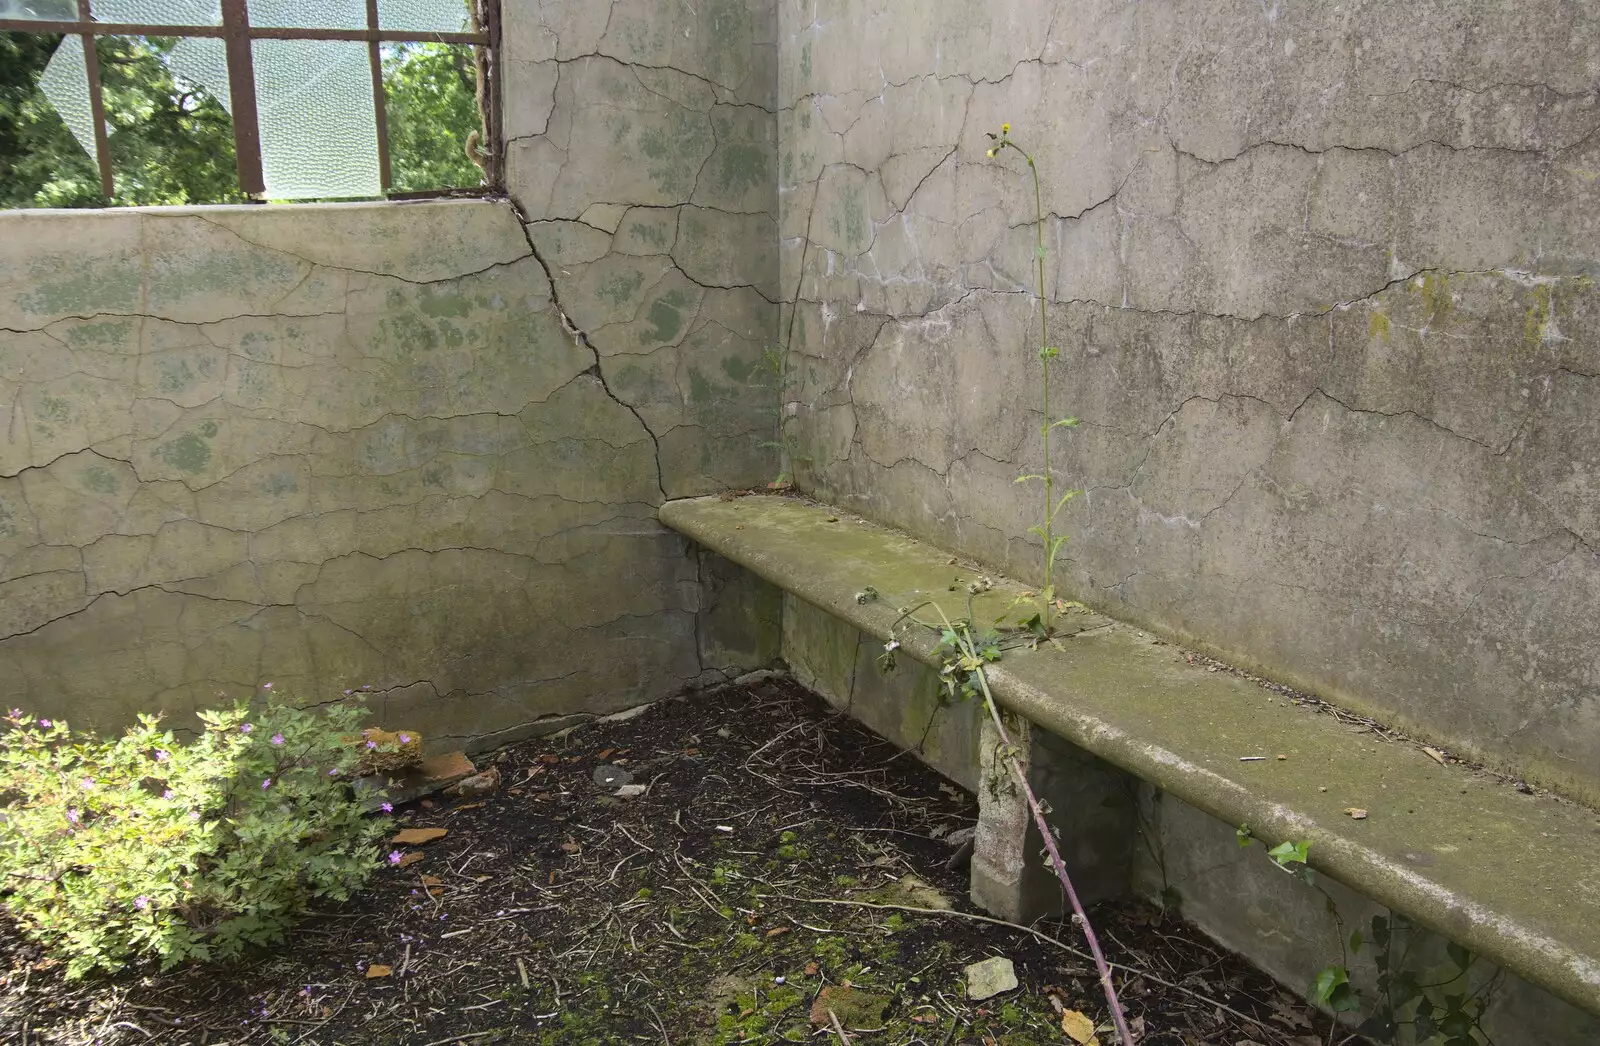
768, 874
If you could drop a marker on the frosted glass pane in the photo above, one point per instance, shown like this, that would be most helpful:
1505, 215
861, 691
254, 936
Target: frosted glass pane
424, 16
319, 131
159, 12
50, 10
309, 14
65, 82
204, 63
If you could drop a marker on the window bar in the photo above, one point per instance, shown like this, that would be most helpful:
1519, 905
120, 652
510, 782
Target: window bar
242, 92
379, 107
97, 106
490, 92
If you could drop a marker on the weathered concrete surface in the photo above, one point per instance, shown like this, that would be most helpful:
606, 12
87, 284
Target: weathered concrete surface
642, 154
1513, 877
1322, 277
322, 447
906, 706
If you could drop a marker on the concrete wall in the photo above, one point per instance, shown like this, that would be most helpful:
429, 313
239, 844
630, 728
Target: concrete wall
414, 446
1322, 277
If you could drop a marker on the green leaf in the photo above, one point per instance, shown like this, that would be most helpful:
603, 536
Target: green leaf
1356, 941
1244, 835
1326, 982
1288, 853
1038, 251
1067, 423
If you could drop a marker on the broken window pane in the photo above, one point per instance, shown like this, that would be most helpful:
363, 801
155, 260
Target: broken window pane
171, 139
66, 84
432, 108
319, 134
433, 16
45, 10
302, 14
158, 12
41, 162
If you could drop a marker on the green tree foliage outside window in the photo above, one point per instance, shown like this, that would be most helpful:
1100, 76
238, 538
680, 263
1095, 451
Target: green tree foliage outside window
172, 143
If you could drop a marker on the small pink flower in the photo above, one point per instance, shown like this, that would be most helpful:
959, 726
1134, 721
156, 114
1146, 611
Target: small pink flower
405, 739
72, 815
167, 794
88, 782
372, 744
388, 808
162, 755
46, 723
347, 693
194, 815
334, 772
277, 739
245, 728
141, 902
394, 856
266, 686
266, 782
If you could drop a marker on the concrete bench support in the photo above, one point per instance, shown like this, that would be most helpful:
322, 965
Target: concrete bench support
1130, 744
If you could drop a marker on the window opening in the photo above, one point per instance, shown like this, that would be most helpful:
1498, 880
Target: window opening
304, 99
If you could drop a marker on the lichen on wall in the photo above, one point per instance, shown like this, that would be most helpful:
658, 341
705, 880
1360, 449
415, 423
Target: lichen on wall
1323, 284
326, 448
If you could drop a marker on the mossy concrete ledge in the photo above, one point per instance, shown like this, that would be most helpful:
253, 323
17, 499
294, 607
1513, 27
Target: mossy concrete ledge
1513, 877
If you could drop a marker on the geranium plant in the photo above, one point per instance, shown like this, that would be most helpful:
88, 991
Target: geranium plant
148, 846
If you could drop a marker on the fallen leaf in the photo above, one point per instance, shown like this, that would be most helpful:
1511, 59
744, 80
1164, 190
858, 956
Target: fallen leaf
811, 969
432, 880
377, 969
408, 860
570, 847
549, 760
417, 836
481, 878
604, 752
776, 930
1434, 754
469, 806
1356, 813
1079, 1028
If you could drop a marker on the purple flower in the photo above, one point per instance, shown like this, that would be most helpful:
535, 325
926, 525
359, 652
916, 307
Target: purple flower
162, 755
16, 713
277, 739
245, 728
72, 815
141, 902
372, 744
266, 686
194, 815
387, 808
88, 782
45, 723
167, 794
334, 772
405, 739
347, 693
394, 856
266, 782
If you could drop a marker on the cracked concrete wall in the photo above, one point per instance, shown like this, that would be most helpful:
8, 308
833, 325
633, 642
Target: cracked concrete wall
322, 447
642, 144
1322, 277
414, 446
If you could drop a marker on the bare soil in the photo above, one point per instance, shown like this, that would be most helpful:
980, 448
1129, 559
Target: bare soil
765, 882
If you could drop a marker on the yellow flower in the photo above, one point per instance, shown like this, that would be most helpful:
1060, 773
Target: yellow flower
992, 152
1005, 128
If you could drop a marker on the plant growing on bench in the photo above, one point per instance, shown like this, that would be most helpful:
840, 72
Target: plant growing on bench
146, 846
1433, 1014
1043, 602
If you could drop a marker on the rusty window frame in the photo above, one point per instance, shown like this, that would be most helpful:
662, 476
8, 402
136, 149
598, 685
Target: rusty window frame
238, 35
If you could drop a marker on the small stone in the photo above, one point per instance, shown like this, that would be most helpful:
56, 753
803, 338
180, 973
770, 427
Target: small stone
477, 784
608, 776
1356, 813
631, 791
991, 977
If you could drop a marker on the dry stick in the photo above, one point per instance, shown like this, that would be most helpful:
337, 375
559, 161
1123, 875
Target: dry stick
1125, 1036
838, 1028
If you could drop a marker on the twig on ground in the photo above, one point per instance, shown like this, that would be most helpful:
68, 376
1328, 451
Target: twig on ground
838, 1028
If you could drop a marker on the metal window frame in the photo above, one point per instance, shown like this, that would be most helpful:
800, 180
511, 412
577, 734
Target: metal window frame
238, 35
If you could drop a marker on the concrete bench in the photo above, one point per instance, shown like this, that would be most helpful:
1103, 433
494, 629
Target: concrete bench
1511, 876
